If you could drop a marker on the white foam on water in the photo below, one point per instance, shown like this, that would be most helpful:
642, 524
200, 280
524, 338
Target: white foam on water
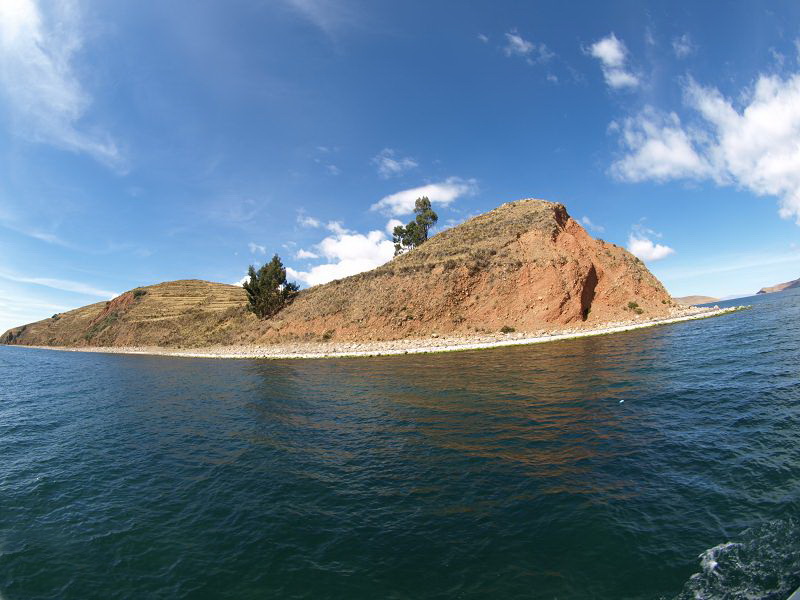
763, 565
708, 559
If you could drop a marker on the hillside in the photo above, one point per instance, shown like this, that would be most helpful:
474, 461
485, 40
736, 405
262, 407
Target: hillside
526, 265
693, 300
780, 287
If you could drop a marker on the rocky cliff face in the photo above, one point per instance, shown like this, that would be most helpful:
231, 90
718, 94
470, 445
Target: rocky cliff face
526, 265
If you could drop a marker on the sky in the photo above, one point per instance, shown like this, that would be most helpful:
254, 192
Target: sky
147, 141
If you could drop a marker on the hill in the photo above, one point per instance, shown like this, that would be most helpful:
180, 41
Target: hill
527, 265
692, 300
780, 287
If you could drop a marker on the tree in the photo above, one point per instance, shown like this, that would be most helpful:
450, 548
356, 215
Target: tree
416, 232
267, 289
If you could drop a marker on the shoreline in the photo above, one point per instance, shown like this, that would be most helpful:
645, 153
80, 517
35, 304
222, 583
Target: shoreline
435, 344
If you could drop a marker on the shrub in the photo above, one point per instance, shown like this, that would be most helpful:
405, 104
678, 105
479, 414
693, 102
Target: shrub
638, 310
480, 260
507, 329
267, 289
633, 305
138, 293
328, 334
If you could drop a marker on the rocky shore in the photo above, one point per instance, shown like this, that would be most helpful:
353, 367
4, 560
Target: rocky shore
434, 343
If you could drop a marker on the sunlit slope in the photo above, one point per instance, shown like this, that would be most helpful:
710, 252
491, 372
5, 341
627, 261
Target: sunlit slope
526, 265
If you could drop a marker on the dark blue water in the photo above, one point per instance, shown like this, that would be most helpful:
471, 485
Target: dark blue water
509, 473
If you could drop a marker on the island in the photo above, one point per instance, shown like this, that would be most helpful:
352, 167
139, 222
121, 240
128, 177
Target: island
521, 273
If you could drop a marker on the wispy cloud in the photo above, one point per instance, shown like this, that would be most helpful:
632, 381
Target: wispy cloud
17, 309
306, 221
613, 56
60, 284
330, 16
389, 164
42, 236
323, 156
587, 222
443, 193
532, 52
683, 46
256, 248
715, 265
39, 83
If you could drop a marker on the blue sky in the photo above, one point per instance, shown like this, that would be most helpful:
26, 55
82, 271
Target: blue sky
149, 141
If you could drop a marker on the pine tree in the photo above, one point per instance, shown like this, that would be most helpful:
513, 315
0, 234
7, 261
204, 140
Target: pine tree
267, 289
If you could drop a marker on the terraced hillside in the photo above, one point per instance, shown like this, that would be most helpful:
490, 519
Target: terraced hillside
176, 313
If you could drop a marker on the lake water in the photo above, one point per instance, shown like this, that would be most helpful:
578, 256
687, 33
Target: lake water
661, 463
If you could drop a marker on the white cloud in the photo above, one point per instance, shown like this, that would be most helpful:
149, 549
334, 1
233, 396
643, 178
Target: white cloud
532, 52
240, 283
389, 166
658, 148
613, 56
643, 247
333, 170
391, 224
39, 81
587, 222
755, 147
257, 248
61, 284
306, 221
337, 228
682, 46
305, 254
443, 193
483, 38
348, 253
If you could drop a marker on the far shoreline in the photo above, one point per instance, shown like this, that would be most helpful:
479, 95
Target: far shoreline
433, 345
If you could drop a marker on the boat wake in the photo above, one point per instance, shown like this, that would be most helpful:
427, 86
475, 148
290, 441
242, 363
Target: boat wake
764, 564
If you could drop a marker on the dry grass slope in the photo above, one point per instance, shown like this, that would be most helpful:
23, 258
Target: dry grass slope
177, 313
525, 265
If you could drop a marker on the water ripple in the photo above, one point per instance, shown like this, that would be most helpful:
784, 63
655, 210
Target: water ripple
599, 467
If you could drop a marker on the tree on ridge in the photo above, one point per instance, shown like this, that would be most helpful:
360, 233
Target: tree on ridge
415, 233
267, 289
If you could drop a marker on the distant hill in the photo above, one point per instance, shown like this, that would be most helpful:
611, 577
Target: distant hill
692, 300
526, 265
780, 287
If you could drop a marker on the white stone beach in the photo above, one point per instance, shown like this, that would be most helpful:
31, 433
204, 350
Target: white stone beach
433, 344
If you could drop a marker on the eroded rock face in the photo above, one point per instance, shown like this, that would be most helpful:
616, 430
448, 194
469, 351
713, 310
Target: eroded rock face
526, 265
